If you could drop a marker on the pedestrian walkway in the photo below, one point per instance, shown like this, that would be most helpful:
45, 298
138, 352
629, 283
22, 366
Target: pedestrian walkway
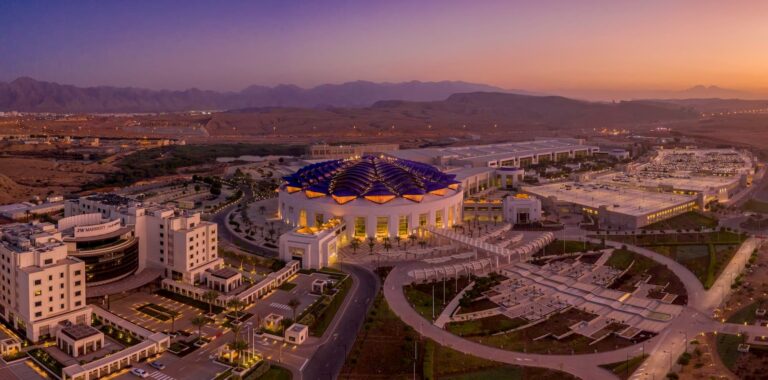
280, 306
161, 376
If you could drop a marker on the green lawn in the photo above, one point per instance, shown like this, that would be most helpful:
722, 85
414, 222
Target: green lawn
625, 368
746, 314
689, 220
705, 254
276, 373
324, 316
420, 295
727, 349
485, 326
641, 269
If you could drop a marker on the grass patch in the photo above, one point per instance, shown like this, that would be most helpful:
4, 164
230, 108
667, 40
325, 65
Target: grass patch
325, 312
746, 314
642, 267
689, 220
124, 338
287, 286
727, 349
704, 254
420, 295
202, 305
276, 373
625, 368
485, 326
49, 362
158, 312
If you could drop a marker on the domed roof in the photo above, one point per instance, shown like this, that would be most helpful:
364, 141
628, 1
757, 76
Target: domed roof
377, 179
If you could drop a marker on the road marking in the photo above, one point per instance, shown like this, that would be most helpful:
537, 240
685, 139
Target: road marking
280, 306
160, 376
303, 365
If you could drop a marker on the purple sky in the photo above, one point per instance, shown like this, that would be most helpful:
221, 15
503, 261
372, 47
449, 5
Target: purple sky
555, 46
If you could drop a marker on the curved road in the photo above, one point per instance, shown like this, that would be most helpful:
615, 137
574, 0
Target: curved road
663, 348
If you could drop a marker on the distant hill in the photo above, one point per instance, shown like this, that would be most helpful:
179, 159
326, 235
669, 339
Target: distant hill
481, 113
27, 94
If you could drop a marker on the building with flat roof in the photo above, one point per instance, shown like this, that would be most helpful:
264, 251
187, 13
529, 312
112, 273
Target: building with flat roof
513, 154
329, 151
42, 287
177, 242
615, 206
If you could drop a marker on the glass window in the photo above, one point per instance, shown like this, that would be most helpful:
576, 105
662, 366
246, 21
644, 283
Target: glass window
402, 225
439, 218
319, 218
423, 220
382, 226
303, 218
360, 227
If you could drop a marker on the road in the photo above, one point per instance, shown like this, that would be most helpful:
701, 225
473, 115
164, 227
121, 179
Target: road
664, 349
337, 342
228, 236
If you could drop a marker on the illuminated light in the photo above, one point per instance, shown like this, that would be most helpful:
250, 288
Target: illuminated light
414, 197
380, 198
313, 194
343, 199
440, 192
292, 189
453, 186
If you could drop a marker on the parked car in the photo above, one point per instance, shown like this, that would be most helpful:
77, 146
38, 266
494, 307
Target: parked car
157, 365
139, 372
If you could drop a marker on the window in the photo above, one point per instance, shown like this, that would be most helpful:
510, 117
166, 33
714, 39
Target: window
61, 275
360, 227
38, 314
78, 303
38, 303
423, 219
48, 261
402, 225
303, 218
77, 283
319, 217
77, 273
439, 218
38, 282
382, 226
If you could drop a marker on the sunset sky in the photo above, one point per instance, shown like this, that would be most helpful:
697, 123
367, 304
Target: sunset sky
589, 48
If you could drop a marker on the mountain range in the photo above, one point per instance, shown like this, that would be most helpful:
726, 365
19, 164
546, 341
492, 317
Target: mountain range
29, 95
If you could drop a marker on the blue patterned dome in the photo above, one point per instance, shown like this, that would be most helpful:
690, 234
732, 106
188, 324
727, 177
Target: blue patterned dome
377, 179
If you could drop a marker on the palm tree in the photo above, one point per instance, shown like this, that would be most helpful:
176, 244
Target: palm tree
387, 245
294, 303
412, 238
262, 209
371, 243
354, 244
199, 321
398, 239
210, 296
236, 305
239, 345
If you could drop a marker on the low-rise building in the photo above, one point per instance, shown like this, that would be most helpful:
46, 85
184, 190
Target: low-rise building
296, 333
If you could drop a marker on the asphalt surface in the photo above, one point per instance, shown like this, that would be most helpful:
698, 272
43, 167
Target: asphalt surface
225, 234
332, 352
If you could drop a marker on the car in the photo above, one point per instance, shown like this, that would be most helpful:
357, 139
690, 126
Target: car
139, 372
157, 365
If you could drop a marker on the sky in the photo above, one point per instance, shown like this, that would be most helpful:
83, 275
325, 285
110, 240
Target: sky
602, 48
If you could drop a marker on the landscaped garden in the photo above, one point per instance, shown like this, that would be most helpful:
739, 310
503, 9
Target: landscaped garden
485, 326
625, 368
120, 336
704, 254
384, 348
641, 268
48, 361
202, 305
420, 295
320, 315
562, 247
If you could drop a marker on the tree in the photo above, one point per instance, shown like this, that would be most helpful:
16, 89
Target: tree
412, 238
262, 209
239, 345
371, 243
210, 297
294, 303
199, 321
197, 188
236, 305
355, 244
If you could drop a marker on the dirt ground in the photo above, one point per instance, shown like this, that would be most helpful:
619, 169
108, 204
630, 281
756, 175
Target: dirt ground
705, 364
21, 178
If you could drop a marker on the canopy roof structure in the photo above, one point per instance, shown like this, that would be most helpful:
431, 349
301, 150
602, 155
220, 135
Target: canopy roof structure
378, 179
